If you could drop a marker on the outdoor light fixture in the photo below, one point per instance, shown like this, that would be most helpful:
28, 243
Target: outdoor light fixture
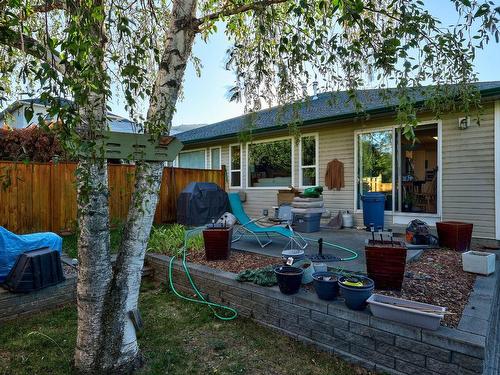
463, 123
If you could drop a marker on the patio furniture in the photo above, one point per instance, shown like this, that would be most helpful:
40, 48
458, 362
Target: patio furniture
249, 226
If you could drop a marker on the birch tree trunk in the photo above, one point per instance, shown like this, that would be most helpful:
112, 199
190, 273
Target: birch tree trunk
94, 271
120, 353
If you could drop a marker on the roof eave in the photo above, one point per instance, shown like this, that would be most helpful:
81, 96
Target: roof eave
487, 93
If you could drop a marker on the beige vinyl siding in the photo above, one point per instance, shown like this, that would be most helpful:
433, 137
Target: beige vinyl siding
469, 173
467, 169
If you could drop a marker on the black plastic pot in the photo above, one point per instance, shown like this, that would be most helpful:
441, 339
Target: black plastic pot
326, 285
356, 296
289, 279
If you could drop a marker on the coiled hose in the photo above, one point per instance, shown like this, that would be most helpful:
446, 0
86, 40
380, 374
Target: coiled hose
201, 299
212, 305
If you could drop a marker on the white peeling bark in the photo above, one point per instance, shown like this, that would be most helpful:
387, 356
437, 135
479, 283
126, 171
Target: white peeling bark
94, 271
122, 350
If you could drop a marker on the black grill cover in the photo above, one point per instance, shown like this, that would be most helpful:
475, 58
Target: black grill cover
200, 202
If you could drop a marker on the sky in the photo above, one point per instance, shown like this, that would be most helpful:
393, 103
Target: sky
205, 99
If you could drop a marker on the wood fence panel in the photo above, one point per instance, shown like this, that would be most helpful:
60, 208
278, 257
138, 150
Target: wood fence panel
42, 196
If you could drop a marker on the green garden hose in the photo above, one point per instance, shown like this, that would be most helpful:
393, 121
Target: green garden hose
212, 305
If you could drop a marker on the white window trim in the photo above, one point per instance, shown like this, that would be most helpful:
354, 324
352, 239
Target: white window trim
316, 166
395, 214
176, 162
270, 140
210, 157
235, 170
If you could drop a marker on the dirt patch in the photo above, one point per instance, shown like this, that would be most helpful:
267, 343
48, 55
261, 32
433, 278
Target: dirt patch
438, 278
237, 262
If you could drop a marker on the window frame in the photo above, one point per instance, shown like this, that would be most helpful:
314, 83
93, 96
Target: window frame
210, 157
176, 164
316, 166
230, 167
270, 140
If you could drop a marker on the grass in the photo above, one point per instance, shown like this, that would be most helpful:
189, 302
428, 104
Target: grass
164, 239
179, 338
70, 242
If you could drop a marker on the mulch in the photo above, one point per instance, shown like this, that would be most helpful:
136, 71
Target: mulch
237, 262
436, 278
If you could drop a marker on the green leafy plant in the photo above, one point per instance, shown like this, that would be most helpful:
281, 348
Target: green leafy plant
170, 239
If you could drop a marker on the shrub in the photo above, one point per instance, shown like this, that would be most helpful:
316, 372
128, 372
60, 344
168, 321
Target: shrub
169, 240
30, 144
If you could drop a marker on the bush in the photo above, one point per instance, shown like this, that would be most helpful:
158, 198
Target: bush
30, 144
169, 240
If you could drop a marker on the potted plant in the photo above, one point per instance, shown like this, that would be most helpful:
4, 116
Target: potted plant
356, 290
289, 278
326, 285
408, 202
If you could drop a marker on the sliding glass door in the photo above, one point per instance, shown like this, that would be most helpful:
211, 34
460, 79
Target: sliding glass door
405, 171
417, 164
375, 159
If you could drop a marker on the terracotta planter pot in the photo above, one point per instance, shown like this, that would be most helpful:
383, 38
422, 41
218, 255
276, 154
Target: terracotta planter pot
217, 243
454, 234
386, 263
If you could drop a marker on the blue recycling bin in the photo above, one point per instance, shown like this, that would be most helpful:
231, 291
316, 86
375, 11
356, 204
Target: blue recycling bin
373, 209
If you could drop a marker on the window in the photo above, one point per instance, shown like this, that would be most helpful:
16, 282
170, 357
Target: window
215, 157
309, 161
195, 159
375, 153
270, 164
235, 166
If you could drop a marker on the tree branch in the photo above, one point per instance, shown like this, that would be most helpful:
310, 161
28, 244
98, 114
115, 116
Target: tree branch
49, 6
230, 11
31, 46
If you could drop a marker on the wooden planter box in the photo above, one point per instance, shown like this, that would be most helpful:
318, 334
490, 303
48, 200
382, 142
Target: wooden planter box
217, 243
454, 234
386, 263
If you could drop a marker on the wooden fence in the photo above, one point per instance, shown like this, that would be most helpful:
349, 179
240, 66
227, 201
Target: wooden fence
42, 196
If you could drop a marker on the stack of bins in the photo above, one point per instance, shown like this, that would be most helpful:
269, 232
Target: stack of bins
307, 214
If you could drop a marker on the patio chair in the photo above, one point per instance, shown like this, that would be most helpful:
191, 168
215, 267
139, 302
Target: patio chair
250, 226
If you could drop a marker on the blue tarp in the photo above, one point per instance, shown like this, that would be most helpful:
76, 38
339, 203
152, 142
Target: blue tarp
12, 245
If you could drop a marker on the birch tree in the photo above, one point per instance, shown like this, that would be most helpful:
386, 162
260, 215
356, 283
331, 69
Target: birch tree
89, 50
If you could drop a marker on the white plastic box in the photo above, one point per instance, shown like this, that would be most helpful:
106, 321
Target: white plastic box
478, 262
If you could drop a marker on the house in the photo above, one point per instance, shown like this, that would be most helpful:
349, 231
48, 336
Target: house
452, 171
14, 116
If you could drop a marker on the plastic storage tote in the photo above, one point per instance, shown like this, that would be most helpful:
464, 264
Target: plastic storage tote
373, 209
307, 223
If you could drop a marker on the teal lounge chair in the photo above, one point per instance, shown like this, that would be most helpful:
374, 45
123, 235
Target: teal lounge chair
249, 226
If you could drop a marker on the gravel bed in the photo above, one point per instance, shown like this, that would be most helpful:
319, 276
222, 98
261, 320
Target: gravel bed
238, 261
437, 278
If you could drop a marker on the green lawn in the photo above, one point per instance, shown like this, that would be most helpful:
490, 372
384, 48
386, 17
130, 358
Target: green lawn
179, 338
70, 242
